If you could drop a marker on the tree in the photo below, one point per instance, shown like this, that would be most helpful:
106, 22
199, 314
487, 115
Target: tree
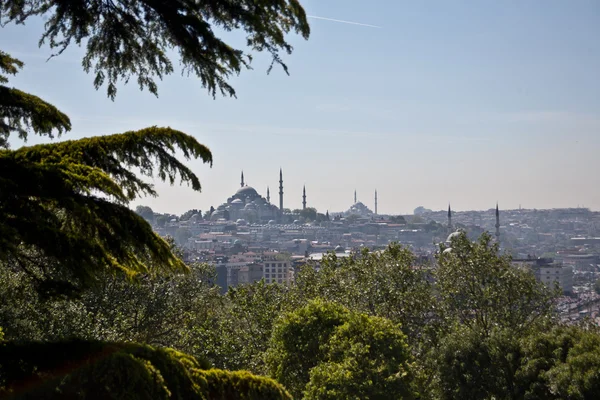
145, 212
482, 290
383, 284
367, 358
237, 333
22, 112
309, 214
398, 219
63, 206
189, 213
131, 39
161, 220
326, 351
182, 235
77, 369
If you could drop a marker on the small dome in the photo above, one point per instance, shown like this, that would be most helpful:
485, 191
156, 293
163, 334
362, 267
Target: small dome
241, 222
454, 235
272, 222
297, 222
339, 249
237, 201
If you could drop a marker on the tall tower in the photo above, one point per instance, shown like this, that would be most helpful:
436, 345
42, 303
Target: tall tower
304, 197
497, 224
268, 196
375, 201
355, 197
242, 183
281, 193
449, 219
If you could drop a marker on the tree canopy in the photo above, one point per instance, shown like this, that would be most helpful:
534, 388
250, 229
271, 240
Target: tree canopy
22, 112
127, 39
63, 205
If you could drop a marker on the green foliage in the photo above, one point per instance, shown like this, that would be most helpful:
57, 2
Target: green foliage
189, 213
92, 369
182, 235
21, 112
126, 39
472, 365
155, 310
326, 351
296, 344
309, 214
367, 358
240, 385
382, 284
145, 212
63, 205
235, 334
561, 363
482, 290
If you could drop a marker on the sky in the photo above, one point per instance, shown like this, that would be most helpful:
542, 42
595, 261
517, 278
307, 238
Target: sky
427, 102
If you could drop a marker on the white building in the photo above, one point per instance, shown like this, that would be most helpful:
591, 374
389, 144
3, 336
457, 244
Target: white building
278, 270
561, 274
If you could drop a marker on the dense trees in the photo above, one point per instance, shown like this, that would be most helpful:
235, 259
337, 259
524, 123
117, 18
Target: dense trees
328, 352
134, 39
336, 330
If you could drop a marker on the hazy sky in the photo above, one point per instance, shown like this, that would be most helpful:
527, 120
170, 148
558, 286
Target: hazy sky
429, 102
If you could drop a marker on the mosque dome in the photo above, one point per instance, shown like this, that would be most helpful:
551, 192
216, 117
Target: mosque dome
246, 191
339, 249
453, 235
272, 222
237, 201
241, 222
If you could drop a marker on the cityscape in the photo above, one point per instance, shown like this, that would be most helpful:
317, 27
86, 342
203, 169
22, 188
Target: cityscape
249, 238
299, 199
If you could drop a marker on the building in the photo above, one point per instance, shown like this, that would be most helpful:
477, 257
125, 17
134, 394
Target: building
549, 272
250, 273
277, 268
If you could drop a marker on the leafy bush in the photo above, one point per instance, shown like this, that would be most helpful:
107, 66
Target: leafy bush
80, 369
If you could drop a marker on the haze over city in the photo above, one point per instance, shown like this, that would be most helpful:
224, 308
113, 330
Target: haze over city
428, 103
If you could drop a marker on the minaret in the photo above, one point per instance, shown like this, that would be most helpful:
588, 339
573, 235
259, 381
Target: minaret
268, 196
355, 197
242, 183
304, 197
375, 201
449, 219
497, 224
281, 193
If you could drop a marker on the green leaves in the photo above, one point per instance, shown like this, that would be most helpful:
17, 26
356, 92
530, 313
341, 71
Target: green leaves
325, 351
131, 39
62, 192
482, 290
21, 112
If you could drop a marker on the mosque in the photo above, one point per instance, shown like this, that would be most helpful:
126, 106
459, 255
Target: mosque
453, 233
247, 206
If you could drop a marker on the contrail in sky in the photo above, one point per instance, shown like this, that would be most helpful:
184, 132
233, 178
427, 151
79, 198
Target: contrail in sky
343, 22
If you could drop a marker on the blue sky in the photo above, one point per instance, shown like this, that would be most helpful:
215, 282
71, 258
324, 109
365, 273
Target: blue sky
439, 101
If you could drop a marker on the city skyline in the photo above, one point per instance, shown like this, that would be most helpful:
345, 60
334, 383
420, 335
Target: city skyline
462, 103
